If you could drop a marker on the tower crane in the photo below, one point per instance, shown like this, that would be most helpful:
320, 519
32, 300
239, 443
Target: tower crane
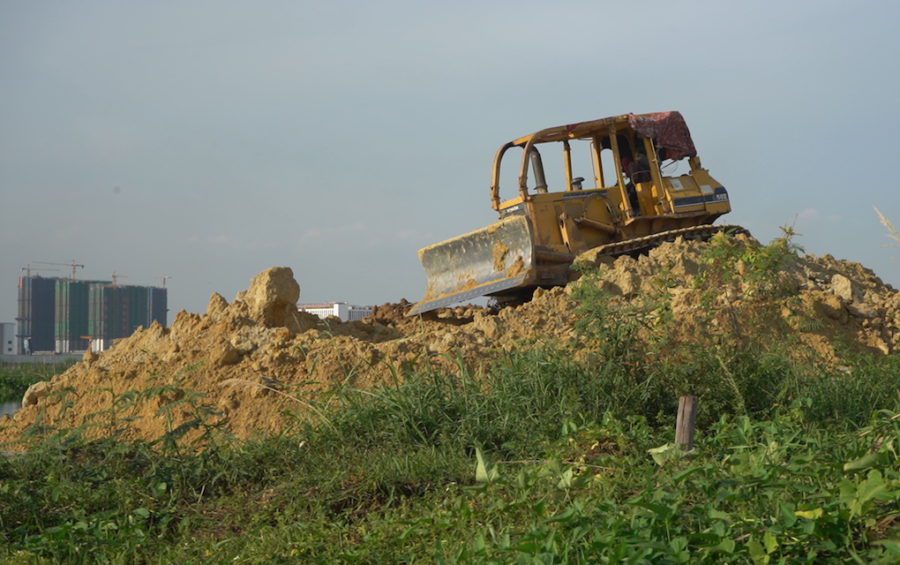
73, 265
28, 270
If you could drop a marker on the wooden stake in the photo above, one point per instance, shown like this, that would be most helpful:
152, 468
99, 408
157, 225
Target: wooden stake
687, 420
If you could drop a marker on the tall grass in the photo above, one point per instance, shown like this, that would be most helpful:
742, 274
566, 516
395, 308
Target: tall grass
393, 474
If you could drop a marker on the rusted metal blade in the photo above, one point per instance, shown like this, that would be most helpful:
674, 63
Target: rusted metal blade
486, 261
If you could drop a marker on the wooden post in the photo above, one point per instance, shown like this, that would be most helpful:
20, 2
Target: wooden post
686, 421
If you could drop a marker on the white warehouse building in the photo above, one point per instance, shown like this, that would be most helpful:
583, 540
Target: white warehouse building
8, 342
345, 312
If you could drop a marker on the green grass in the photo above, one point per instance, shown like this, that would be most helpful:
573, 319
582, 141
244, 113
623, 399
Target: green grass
390, 475
15, 378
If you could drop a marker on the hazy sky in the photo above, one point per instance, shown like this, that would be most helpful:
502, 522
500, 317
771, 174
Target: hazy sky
209, 140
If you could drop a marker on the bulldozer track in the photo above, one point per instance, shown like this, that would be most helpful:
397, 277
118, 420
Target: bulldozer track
638, 244
650, 241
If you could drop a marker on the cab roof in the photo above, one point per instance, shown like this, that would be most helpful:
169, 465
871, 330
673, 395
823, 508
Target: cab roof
667, 129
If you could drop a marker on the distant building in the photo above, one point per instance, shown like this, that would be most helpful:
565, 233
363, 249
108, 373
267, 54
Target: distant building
70, 327
8, 343
346, 312
64, 315
116, 311
37, 314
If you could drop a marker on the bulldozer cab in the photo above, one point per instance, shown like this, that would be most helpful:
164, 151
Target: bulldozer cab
625, 151
543, 226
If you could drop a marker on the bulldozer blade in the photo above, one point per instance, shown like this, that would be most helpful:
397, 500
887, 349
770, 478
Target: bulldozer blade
486, 261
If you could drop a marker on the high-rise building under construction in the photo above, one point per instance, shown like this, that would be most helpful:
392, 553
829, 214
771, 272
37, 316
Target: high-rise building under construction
64, 315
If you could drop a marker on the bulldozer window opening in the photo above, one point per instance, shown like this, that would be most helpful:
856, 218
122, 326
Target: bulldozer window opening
635, 163
583, 164
509, 172
509, 180
576, 164
537, 171
554, 161
672, 168
608, 162
638, 166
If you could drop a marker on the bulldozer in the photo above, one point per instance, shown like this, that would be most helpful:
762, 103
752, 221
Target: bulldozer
649, 187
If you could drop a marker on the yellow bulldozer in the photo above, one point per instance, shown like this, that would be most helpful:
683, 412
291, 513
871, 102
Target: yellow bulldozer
641, 198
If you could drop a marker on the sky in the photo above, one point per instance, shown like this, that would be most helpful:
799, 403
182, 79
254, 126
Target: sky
208, 140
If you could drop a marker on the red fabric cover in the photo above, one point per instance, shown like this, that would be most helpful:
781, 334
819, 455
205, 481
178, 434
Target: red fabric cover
668, 131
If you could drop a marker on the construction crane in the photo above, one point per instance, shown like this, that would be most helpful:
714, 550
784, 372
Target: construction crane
73, 265
116, 277
28, 270
165, 278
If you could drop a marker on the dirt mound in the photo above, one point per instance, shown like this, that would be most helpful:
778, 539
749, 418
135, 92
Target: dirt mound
248, 365
820, 301
391, 313
243, 364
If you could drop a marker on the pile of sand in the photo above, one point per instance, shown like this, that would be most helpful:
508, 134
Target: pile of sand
249, 365
820, 301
